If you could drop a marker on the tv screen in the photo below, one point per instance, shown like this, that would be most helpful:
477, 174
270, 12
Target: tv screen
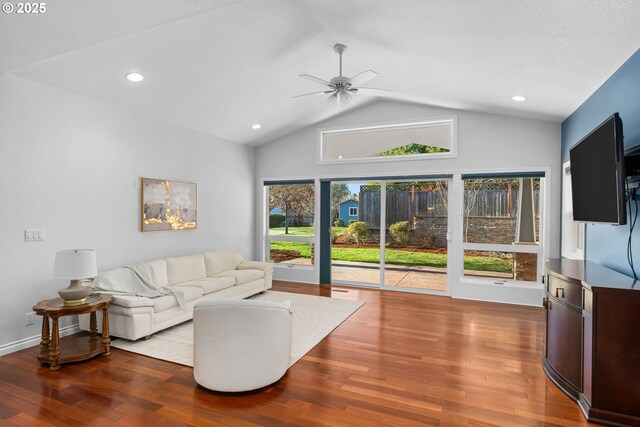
597, 175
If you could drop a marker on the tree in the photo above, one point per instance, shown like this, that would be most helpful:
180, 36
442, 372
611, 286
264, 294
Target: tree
413, 149
294, 199
338, 193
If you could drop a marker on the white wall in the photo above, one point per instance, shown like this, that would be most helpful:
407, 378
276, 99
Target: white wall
68, 165
485, 142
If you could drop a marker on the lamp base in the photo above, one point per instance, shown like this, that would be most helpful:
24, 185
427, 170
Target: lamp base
72, 302
75, 293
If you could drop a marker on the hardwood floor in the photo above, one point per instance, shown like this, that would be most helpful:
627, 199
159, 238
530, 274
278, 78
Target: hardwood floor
402, 359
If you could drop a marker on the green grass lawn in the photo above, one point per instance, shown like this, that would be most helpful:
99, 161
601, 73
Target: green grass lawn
302, 247
398, 257
302, 231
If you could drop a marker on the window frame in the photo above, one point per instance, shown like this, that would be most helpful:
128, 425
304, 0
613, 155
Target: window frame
514, 248
353, 211
322, 134
268, 238
573, 234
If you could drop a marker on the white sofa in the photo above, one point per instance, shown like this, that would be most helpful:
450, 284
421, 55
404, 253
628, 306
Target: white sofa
200, 277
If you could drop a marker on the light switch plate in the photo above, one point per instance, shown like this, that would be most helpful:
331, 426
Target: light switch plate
34, 234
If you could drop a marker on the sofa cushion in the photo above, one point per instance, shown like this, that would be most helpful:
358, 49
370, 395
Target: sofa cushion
210, 284
217, 262
131, 301
267, 267
167, 301
185, 269
159, 267
242, 276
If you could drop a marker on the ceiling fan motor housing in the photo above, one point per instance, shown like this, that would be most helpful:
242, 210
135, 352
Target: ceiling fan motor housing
339, 48
340, 82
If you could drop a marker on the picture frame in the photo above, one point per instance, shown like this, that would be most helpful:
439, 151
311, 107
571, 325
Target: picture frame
168, 205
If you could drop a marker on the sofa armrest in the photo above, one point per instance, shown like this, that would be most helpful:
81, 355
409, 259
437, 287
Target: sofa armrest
131, 301
267, 267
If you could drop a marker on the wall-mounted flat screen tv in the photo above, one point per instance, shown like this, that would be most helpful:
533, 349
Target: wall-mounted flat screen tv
598, 176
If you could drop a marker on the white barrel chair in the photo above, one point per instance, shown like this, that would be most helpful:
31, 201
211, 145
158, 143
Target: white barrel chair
240, 345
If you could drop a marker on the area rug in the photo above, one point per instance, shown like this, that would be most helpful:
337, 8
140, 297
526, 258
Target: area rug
313, 319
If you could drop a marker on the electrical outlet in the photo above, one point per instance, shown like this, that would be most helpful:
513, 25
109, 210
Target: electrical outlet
30, 318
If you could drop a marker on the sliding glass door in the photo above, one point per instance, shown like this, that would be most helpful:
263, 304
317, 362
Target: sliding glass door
390, 234
416, 235
355, 233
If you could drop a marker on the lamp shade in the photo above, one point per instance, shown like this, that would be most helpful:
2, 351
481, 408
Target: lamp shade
75, 264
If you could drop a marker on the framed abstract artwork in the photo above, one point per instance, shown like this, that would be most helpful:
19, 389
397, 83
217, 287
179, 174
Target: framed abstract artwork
168, 205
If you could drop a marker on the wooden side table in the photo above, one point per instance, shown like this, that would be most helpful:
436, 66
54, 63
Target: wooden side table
78, 347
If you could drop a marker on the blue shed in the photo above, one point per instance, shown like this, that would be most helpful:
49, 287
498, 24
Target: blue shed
348, 211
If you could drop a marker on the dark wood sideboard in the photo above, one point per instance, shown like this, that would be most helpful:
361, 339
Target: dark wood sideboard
592, 347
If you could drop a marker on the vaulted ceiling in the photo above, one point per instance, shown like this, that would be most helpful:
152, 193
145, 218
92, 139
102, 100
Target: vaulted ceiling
219, 66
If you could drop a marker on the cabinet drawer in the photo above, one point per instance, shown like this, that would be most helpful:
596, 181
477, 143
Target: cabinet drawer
568, 292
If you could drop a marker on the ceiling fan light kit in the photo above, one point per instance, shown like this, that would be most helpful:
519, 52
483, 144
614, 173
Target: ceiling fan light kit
341, 87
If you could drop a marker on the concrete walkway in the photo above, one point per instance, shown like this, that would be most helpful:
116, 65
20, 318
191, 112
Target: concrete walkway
416, 277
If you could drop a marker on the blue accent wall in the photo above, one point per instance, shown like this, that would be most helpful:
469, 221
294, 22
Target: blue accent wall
607, 244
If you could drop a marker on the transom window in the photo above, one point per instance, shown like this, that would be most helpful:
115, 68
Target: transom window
429, 138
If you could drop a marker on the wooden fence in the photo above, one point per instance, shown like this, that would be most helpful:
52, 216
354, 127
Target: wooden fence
405, 205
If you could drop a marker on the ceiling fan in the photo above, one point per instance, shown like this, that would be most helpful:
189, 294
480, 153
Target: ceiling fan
340, 88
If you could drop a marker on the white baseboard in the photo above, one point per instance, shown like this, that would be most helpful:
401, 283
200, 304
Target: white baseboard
35, 340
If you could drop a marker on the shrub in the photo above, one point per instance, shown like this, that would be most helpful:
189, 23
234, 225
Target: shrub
276, 220
338, 222
400, 232
429, 241
344, 239
358, 231
351, 221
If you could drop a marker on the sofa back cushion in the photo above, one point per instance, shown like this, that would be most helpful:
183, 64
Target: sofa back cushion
185, 268
217, 262
159, 267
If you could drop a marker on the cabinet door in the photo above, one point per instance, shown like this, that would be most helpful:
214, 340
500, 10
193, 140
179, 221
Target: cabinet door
564, 341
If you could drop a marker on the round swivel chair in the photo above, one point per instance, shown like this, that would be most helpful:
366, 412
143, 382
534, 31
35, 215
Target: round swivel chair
240, 345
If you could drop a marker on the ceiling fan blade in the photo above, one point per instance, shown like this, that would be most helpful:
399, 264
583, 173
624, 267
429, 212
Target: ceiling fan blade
312, 93
314, 79
362, 77
373, 91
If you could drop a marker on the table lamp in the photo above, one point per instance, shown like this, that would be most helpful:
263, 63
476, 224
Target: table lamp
76, 265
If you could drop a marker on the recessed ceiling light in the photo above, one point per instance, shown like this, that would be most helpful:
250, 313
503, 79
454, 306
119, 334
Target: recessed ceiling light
256, 126
519, 98
340, 156
135, 77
